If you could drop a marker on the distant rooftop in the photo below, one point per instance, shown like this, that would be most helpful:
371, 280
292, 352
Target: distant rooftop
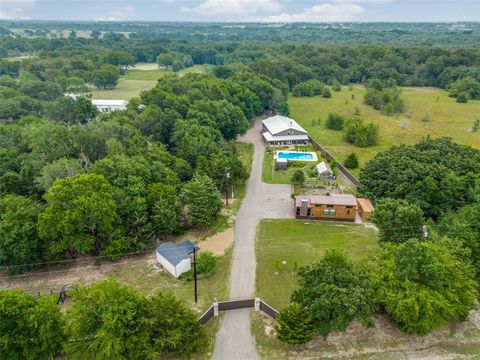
101, 102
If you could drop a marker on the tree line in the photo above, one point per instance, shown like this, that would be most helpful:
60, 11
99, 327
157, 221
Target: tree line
105, 321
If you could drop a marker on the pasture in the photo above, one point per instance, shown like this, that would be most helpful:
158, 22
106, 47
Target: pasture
429, 111
138, 79
283, 243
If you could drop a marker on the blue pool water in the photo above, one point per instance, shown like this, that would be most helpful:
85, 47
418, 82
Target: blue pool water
295, 155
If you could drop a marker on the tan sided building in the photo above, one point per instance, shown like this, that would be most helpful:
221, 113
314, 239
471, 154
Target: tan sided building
339, 207
365, 209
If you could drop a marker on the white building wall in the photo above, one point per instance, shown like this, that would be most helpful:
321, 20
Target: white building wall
183, 266
166, 265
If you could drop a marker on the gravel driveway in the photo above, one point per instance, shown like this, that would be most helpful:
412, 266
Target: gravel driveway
234, 340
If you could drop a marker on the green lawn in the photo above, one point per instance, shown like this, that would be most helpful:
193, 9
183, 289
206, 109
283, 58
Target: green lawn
136, 80
302, 242
211, 288
155, 74
447, 118
125, 90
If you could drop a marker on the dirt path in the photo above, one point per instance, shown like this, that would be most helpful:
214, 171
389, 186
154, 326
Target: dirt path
218, 243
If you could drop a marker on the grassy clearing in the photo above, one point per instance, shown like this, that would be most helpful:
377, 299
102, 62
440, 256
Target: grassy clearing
446, 118
137, 80
144, 72
125, 90
302, 242
212, 287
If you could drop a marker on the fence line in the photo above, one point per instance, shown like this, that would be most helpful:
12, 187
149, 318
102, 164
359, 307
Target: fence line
257, 303
339, 166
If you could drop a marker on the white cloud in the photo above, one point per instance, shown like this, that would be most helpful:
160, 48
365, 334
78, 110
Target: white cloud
335, 11
15, 9
118, 15
234, 7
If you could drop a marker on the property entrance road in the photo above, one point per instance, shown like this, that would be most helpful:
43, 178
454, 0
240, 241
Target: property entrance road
234, 339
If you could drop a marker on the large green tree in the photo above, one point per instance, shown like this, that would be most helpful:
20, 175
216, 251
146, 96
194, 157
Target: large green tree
398, 220
335, 291
30, 328
423, 285
80, 215
20, 244
202, 199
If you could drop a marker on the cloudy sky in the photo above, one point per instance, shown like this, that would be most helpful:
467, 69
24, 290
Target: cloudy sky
243, 10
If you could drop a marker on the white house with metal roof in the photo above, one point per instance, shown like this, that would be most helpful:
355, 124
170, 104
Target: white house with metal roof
110, 105
175, 258
281, 130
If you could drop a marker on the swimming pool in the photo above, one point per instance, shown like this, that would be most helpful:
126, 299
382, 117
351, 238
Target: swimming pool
296, 155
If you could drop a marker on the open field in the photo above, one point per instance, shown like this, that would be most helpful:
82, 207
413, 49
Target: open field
136, 80
303, 242
446, 118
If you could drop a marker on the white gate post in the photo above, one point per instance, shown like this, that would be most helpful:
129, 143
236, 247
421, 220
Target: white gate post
215, 309
257, 304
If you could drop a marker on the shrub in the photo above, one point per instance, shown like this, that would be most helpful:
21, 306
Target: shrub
336, 86
326, 93
335, 121
359, 134
298, 178
297, 164
294, 325
351, 162
206, 262
462, 98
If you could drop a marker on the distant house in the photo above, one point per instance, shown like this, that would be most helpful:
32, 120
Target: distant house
365, 209
281, 130
324, 171
110, 105
340, 207
175, 258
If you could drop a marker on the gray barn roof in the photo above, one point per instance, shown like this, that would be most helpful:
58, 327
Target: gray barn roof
175, 253
278, 123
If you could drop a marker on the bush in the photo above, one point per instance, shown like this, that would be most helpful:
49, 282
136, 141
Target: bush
351, 162
462, 98
206, 262
326, 93
294, 325
335, 121
359, 134
298, 178
296, 164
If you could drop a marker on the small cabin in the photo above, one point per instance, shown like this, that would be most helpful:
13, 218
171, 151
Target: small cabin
110, 105
337, 207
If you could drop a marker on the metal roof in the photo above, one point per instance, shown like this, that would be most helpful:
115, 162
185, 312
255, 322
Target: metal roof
269, 137
278, 123
335, 199
176, 253
101, 102
323, 167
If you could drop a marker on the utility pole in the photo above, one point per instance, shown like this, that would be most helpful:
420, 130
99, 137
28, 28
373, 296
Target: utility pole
227, 176
195, 271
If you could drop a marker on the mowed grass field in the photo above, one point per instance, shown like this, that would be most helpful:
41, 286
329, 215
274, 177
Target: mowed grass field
137, 80
446, 118
285, 242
